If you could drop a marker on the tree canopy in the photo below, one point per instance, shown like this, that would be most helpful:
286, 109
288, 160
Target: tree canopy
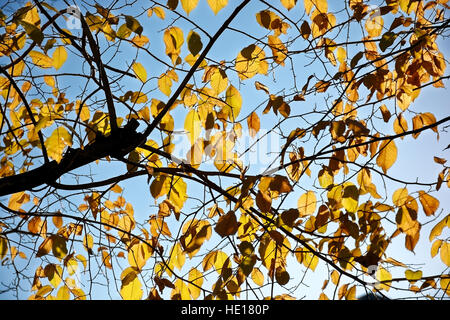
217, 149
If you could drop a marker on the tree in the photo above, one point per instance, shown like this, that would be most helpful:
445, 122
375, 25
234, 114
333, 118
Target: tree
100, 189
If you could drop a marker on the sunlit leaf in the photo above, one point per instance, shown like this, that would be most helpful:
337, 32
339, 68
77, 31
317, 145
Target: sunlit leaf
289, 4
307, 203
189, 5
445, 253
139, 71
131, 288
233, 102
387, 155
59, 57
41, 60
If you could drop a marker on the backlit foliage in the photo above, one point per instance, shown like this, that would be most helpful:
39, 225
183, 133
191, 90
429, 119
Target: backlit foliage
96, 200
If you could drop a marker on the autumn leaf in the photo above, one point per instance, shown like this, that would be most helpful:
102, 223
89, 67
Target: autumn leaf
254, 124
289, 4
131, 287
217, 5
59, 57
189, 5
387, 155
192, 125
139, 71
57, 142
227, 225
233, 102
194, 42
41, 60
307, 204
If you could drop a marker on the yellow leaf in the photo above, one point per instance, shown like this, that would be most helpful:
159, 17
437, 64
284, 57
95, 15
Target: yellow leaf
177, 257
57, 142
289, 4
413, 276
320, 5
140, 41
72, 266
342, 291
192, 125
133, 25
221, 261
84, 113
41, 60
250, 61
323, 296
189, 5
219, 80
307, 203
196, 281
208, 260
53, 274
131, 288
310, 260
341, 54
63, 293
195, 154
445, 253
351, 294
437, 229
374, 25
400, 125
400, 197
326, 178
17, 69
253, 124
139, 71
350, 197
165, 84
3, 247
217, 5
279, 50
233, 102
384, 276
59, 57
17, 200
445, 284
257, 277
388, 155
435, 247
160, 13
429, 203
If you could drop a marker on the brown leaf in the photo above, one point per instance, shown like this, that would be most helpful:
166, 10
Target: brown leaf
227, 224
263, 201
